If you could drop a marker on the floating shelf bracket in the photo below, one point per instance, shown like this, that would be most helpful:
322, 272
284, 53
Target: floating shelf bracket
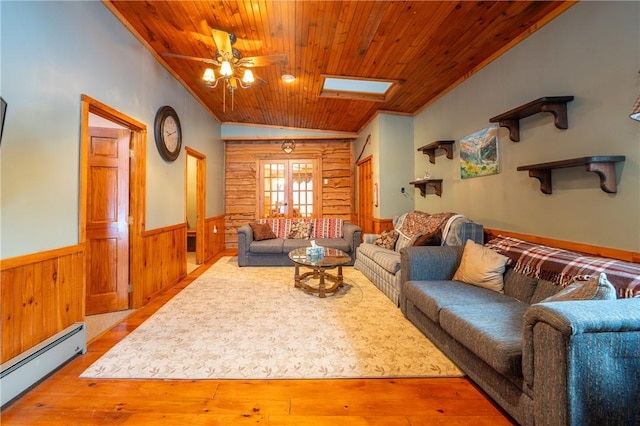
423, 183
556, 105
430, 149
603, 166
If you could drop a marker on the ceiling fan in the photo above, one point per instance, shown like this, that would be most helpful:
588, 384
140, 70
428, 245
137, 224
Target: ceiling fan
235, 69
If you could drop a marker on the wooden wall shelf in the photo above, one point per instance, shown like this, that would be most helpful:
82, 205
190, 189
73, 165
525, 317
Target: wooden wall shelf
604, 166
556, 105
423, 183
430, 149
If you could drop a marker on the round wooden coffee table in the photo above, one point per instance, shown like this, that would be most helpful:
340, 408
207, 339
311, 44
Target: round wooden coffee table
332, 258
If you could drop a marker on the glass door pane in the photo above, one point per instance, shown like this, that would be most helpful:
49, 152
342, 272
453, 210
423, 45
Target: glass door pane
288, 188
274, 187
302, 189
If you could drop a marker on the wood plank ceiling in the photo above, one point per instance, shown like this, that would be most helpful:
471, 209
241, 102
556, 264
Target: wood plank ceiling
429, 46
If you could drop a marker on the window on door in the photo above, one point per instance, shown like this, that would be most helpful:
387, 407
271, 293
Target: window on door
289, 188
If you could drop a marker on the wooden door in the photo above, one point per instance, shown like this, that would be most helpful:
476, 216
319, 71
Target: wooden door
107, 229
365, 195
289, 188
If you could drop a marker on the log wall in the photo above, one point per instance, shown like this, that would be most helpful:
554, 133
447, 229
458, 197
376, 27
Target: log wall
241, 179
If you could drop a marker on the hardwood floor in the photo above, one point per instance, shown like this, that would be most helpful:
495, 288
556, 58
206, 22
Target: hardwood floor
66, 399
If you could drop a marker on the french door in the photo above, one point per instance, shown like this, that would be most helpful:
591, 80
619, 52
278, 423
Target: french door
289, 188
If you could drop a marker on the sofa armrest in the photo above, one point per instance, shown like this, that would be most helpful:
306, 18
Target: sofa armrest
581, 359
353, 234
245, 238
369, 238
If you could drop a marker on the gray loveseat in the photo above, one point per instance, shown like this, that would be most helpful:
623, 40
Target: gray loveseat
382, 266
334, 233
551, 363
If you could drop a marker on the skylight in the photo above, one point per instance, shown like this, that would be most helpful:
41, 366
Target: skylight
357, 88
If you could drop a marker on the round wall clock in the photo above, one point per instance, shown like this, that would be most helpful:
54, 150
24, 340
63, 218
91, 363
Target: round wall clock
168, 133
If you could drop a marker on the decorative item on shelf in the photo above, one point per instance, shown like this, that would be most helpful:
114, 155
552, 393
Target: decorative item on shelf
479, 153
635, 111
288, 146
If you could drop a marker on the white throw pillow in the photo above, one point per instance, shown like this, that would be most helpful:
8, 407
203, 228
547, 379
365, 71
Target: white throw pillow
482, 267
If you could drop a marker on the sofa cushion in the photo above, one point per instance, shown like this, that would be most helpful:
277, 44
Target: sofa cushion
543, 290
492, 331
597, 287
482, 267
387, 259
272, 246
281, 227
262, 231
387, 239
519, 286
432, 296
432, 239
327, 228
301, 230
294, 243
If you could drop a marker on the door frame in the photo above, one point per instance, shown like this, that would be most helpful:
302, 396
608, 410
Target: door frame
317, 180
366, 197
137, 188
201, 188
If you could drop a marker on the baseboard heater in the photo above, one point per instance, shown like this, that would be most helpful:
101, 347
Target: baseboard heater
25, 370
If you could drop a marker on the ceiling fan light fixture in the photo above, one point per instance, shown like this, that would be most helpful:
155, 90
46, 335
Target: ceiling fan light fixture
288, 78
248, 78
225, 69
209, 76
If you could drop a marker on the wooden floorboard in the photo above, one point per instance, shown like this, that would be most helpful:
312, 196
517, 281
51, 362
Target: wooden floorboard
66, 399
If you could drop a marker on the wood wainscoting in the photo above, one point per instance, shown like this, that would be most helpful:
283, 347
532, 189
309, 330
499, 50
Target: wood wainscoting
214, 237
380, 225
164, 260
42, 294
165, 251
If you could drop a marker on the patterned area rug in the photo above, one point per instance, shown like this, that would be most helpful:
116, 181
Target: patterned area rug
251, 323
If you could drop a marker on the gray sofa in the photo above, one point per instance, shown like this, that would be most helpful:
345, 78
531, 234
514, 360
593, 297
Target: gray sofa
552, 363
275, 252
382, 266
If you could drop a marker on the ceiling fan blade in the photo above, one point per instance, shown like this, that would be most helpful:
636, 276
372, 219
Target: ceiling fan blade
191, 58
223, 42
248, 45
263, 61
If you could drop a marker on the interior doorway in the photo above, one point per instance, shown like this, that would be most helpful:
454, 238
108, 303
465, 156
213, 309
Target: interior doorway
115, 161
366, 195
195, 171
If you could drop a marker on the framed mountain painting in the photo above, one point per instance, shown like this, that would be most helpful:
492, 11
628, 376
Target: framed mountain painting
479, 153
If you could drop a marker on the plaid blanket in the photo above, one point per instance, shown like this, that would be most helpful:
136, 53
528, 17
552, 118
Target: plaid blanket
562, 266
